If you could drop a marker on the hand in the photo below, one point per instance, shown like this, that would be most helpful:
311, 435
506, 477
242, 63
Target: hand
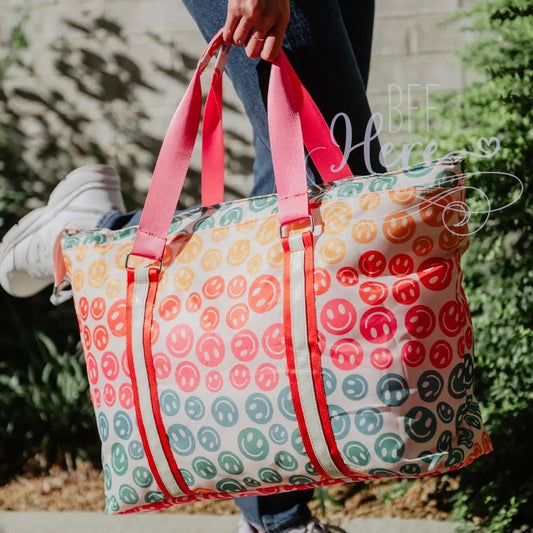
258, 24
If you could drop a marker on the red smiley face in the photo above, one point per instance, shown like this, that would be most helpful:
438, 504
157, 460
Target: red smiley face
98, 308
372, 264
441, 354
209, 318
194, 302
83, 308
240, 376
180, 340
378, 325
96, 397
245, 345
452, 318
346, 354
436, 273
413, 353
401, 265
347, 276
87, 341
373, 292
338, 316
169, 308
420, 321
406, 291
125, 364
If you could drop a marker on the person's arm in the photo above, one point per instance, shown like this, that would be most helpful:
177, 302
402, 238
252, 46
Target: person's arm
259, 25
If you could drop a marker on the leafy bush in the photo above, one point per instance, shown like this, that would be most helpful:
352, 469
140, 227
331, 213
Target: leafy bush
499, 264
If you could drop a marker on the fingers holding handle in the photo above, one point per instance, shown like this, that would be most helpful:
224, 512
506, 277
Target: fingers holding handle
258, 25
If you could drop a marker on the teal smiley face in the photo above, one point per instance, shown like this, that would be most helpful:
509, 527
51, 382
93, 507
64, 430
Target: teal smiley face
225, 412
169, 402
122, 425
253, 444
259, 408
269, 475
119, 459
368, 421
278, 434
181, 439
285, 404
390, 447
430, 385
392, 390
230, 463
209, 439
142, 477
420, 424
103, 427
357, 453
136, 450
340, 421
355, 387
194, 408
286, 461
128, 495
204, 468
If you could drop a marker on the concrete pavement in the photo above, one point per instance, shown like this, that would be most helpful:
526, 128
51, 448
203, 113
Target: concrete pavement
91, 522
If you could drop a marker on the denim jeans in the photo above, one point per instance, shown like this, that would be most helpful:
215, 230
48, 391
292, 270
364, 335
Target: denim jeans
328, 43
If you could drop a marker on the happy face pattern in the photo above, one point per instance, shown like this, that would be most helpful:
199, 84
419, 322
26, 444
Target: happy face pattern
394, 335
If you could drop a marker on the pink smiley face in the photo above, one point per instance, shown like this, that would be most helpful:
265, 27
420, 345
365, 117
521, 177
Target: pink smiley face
381, 358
92, 368
214, 381
155, 330
193, 303
413, 353
245, 345
110, 366
321, 281
237, 316
346, 354
210, 349
187, 376
338, 316
401, 265
273, 341
264, 294
372, 264
116, 318
98, 308
240, 376
237, 286
406, 291
378, 325
125, 364
87, 341
162, 365
266, 377
420, 321
209, 318
125, 396
96, 397
169, 308
110, 394
180, 340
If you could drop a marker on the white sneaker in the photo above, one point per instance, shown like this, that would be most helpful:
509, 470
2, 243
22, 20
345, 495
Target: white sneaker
78, 202
315, 526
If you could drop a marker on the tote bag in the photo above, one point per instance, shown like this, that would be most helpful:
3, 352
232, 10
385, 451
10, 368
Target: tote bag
315, 336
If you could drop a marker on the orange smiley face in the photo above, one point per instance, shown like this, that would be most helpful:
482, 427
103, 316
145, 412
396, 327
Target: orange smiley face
332, 251
364, 231
336, 217
268, 231
211, 260
399, 227
98, 273
183, 279
238, 252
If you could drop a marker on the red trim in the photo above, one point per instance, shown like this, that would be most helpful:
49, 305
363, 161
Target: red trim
133, 377
316, 365
152, 379
291, 371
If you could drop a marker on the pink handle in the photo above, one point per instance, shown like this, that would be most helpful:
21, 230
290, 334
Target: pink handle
287, 100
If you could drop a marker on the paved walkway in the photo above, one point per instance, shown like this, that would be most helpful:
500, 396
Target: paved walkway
79, 522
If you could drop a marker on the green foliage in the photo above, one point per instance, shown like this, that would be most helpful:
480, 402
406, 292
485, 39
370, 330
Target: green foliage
499, 264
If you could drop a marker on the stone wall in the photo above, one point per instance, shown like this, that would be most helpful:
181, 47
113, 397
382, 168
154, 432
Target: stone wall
118, 68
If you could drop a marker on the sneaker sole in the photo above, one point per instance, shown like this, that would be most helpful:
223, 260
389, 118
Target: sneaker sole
65, 192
